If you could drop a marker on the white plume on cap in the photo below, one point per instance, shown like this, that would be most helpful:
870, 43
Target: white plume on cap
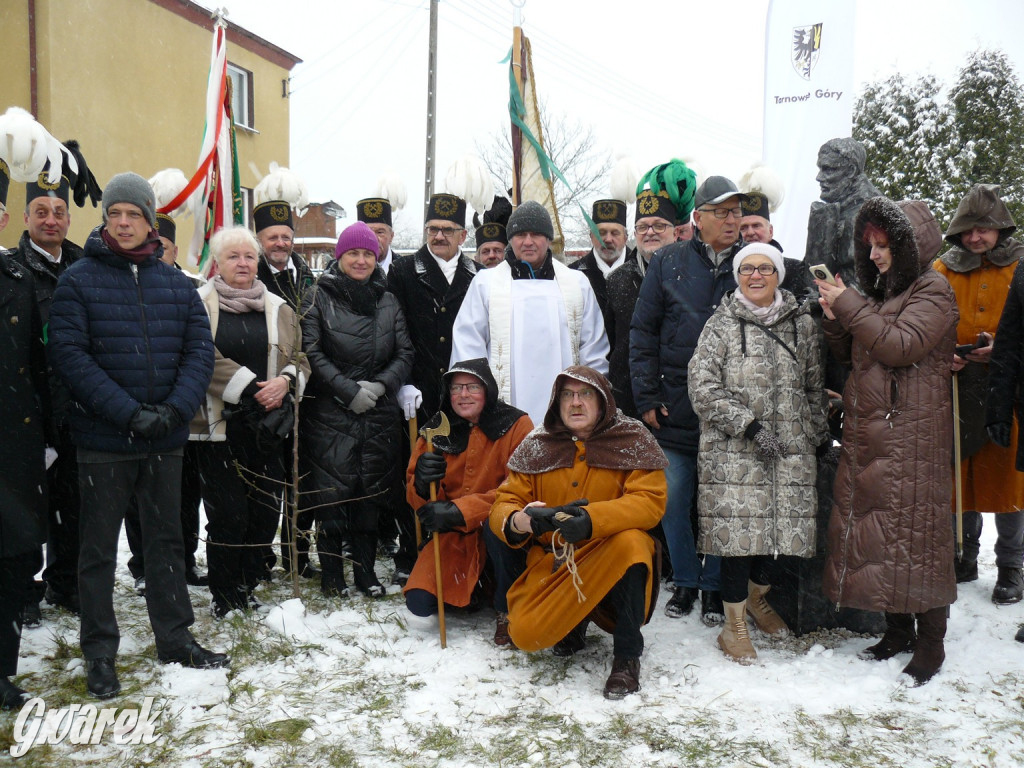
760, 178
391, 187
26, 146
470, 179
625, 176
285, 185
694, 165
167, 185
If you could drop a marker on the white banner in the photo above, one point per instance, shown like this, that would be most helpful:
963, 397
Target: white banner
808, 99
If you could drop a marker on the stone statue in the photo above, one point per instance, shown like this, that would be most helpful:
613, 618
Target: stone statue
844, 188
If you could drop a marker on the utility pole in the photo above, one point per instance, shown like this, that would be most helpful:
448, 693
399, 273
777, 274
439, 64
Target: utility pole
428, 174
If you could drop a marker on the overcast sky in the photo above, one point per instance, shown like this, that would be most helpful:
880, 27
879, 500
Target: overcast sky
657, 79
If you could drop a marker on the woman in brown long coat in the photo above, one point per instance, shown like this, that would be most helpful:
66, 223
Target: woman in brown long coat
890, 543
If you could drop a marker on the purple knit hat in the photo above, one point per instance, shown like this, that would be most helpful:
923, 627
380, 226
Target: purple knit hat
354, 236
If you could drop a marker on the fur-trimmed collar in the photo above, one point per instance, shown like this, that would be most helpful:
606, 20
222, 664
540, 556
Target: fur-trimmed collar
906, 263
959, 259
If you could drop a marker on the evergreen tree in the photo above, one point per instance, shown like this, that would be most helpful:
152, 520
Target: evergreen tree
988, 104
925, 145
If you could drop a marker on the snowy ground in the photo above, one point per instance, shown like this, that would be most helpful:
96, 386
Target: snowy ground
350, 683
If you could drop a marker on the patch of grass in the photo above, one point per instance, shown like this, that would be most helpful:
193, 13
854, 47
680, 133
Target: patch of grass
289, 731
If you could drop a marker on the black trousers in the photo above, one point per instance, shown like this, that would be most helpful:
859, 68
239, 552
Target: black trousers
242, 510
107, 483
738, 571
16, 589
508, 565
191, 495
626, 601
65, 507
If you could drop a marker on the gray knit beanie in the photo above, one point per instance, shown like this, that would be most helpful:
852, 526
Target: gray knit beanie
530, 216
131, 188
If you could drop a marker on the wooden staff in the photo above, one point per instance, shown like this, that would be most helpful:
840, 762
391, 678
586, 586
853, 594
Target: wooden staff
437, 559
958, 488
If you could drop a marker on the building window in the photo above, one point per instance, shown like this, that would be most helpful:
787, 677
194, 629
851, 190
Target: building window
241, 95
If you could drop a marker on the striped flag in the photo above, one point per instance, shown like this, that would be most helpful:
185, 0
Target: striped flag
216, 177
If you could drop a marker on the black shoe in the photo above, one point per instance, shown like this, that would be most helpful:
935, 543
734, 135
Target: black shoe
195, 656
1019, 637
101, 678
572, 643
66, 600
1009, 587
965, 570
332, 584
31, 616
712, 612
196, 578
11, 696
681, 603
401, 577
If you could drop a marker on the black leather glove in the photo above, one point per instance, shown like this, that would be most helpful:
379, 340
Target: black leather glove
542, 519
573, 522
145, 421
440, 516
154, 421
999, 433
430, 468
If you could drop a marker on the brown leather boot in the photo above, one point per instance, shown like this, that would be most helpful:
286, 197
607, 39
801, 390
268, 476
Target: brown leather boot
930, 651
735, 639
501, 635
624, 679
899, 637
764, 616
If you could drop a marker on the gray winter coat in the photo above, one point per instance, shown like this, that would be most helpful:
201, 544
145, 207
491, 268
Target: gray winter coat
739, 373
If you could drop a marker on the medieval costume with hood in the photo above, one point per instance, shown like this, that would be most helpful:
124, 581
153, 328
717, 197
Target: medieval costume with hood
890, 542
616, 477
981, 283
475, 457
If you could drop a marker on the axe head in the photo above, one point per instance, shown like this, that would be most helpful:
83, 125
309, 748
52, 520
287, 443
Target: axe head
443, 429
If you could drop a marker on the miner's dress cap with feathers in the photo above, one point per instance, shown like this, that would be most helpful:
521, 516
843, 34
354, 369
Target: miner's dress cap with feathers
272, 213
658, 204
756, 204
448, 208
165, 226
491, 232
609, 212
374, 210
42, 187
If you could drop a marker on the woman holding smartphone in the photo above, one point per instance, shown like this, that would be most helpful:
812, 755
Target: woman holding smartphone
890, 542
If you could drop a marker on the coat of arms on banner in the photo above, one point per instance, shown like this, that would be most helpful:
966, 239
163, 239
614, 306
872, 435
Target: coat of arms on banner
806, 49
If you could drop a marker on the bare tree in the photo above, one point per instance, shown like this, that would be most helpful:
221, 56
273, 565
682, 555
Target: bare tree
573, 147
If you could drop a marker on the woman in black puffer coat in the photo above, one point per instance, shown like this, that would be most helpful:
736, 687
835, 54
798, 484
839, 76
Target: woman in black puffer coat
355, 337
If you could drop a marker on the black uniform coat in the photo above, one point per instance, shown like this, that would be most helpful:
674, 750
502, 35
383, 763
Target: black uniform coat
430, 305
23, 383
623, 289
283, 284
351, 332
588, 266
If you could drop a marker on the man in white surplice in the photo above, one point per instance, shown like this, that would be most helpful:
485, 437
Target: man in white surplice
530, 316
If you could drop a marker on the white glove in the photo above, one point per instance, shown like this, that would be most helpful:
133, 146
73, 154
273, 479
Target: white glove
410, 399
51, 456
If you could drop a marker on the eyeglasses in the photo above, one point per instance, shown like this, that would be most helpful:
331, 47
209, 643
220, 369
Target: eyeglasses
586, 394
446, 231
660, 227
723, 213
473, 389
764, 269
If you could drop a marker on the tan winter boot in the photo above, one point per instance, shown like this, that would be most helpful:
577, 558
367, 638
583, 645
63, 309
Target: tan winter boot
764, 616
735, 640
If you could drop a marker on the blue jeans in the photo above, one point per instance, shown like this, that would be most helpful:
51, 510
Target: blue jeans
687, 570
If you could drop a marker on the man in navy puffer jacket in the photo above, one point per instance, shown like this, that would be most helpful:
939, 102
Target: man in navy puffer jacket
130, 338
